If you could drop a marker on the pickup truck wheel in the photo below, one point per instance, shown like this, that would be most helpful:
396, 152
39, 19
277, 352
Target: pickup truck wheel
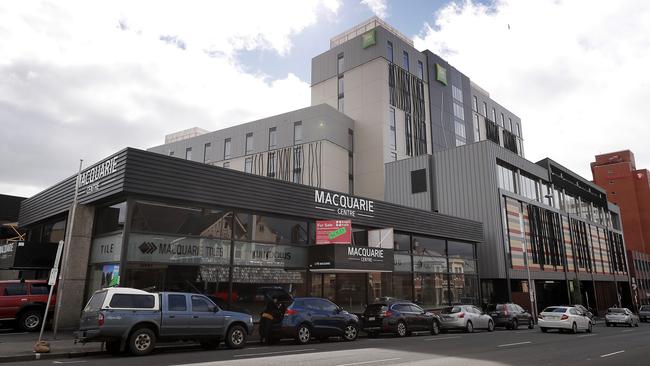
236, 337
30, 320
142, 341
113, 347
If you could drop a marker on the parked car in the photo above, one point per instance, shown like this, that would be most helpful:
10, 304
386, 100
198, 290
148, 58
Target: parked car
23, 303
644, 313
223, 304
312, 317
136, 320
398, 316
466, 317
589, 313
564, 318
617, 316
510, 316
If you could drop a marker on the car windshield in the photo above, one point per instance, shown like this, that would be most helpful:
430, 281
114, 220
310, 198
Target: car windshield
451, 310
645, 308
554, 310
95, 302
615, 311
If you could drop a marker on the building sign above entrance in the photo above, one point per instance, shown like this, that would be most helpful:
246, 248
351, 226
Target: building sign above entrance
89, 179
343, 204
333, 232
349, 258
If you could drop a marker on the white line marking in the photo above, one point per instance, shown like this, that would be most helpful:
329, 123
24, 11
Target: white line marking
274, 353
528, 331
611, 354
64, 362
629, 330
586, 335
514, 344
440, 338
367, 362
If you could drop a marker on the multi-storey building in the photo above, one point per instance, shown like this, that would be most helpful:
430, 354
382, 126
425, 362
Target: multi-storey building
397, 103
629, 188
550, 235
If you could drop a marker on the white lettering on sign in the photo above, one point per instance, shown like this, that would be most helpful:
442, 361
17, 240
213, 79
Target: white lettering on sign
345, 205
91, 176
7, 248
366, 252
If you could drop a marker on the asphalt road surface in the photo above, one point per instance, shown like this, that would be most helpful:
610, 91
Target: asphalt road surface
605, 346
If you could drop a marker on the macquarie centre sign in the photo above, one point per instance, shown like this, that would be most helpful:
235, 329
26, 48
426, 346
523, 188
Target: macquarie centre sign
343, 204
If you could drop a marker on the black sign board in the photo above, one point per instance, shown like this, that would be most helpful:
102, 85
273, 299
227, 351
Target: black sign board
337, 258
7, 254
26, 255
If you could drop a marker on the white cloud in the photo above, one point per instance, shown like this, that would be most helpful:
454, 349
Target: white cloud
84, 79
379, 7
574, 71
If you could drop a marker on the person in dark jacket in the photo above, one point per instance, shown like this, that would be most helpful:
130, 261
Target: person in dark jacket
271, 315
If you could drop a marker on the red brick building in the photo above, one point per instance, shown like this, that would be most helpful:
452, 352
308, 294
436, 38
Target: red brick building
629, 188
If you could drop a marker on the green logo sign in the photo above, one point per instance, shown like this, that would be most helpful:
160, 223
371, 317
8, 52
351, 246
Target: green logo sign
441, 74
369, 38
336, 233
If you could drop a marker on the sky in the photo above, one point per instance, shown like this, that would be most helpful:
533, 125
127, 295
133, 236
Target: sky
81, 80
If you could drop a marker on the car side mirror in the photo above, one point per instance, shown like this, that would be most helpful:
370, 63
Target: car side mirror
215, 309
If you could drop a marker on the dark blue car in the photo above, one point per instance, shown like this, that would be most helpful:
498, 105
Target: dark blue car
312, 317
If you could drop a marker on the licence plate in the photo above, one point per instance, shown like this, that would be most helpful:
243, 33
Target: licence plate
372, 318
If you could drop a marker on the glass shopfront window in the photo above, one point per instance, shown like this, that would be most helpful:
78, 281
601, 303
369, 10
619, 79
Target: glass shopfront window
270, 255
180, 220
109, 219
280, 230
431, 290
464, 289
429, 246
427, 264
460, 250
402, 242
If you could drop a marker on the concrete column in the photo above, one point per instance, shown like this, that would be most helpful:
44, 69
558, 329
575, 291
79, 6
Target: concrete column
72, 283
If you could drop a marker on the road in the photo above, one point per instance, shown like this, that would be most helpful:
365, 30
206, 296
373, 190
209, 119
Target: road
605, 346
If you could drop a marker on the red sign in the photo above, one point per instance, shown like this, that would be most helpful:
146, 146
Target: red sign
333, 232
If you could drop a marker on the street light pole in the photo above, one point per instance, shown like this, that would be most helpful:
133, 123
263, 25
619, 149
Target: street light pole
66, 252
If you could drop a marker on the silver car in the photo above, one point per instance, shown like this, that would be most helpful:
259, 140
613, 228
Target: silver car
616, 316
466, 317
644, 313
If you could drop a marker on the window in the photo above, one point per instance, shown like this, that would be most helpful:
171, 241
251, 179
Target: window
393, 156
171, 153
297, 165
517, 131
459, 128
188, 153
529, 187
206, 149
270, 164
460, 250
201, 304
177, 303
409, 134
475, 104
273, 138
494, 115
226, 148
485, 109
297, 132
457, 93
341, 105
110, 218
392, 135
389, 51
458, 111
226, 164
40, 289
506, 178
15, 289
339, 64
249, 143
420, 70
248, 165
405, 60
477, 132
510, 125
502, 122
418, 181
132, 301
340, 87
429, 246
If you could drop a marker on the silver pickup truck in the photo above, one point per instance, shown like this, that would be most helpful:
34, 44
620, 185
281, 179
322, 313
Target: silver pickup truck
134, 320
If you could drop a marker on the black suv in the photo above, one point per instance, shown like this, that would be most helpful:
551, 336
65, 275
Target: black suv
400, 317
510, 316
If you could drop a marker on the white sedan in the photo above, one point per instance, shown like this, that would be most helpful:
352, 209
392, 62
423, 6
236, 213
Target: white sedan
616, 316
564, 318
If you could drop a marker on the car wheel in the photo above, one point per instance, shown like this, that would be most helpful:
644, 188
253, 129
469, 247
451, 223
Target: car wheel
236, 337
113, 347
544, 330
574, 328
142, 341
469, 327
30, 321
531, 323
636, 324
590, 328
303, 334
401, 329
435, 328
350, 332
490, 326
515, 324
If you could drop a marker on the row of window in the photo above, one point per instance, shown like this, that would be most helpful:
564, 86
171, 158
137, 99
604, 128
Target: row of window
249, 146
510, 126
641, 265
405, 60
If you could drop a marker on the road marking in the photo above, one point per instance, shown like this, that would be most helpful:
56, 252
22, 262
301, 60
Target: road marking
586, 335
274, 353
65, 362
527, 331
367, 362
629, 330
514, 344
440, 338
612, 354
